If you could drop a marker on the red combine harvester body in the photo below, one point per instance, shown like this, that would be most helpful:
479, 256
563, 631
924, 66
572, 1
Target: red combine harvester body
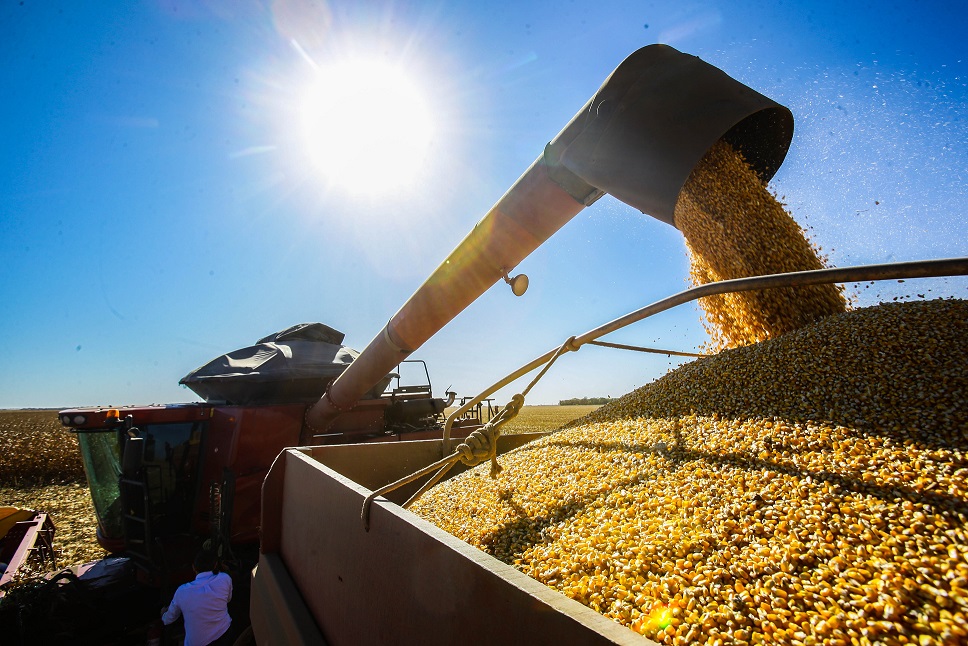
166, 478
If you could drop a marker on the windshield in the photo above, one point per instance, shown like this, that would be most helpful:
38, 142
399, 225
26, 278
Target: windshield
102, 464
170, 470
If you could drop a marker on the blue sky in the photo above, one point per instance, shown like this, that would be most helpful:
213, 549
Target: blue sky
159, 202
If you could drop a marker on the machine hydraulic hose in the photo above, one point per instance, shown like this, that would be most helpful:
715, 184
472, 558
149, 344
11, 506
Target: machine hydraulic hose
638, 138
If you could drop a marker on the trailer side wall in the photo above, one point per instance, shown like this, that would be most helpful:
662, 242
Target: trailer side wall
404, 581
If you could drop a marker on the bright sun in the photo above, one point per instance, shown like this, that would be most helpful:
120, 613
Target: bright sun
367, 126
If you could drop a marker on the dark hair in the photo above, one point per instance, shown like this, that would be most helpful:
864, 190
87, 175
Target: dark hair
206, 561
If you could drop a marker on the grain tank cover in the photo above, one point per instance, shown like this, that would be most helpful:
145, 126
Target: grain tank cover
291, 366
307, 332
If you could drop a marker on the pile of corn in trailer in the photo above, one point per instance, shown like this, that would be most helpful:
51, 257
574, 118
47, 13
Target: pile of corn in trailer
810, 489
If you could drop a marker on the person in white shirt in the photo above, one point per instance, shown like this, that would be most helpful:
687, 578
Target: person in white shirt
203, 602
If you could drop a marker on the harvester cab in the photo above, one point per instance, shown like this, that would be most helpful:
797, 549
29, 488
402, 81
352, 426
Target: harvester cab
144, 476
165, 479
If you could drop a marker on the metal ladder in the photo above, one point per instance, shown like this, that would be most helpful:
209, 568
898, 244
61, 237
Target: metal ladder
137, 514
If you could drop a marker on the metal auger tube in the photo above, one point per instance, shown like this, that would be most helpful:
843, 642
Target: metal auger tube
638, 138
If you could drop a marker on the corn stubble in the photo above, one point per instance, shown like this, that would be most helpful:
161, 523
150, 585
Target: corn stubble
37, 450
41, 469
809, 486
537, 419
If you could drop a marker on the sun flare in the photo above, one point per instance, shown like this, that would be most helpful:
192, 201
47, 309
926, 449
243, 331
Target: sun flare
367, 126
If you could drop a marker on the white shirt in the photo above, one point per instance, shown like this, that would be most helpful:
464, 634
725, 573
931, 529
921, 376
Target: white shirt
204, 603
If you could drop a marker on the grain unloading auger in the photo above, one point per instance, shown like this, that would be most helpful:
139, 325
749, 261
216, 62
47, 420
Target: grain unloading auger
638, 138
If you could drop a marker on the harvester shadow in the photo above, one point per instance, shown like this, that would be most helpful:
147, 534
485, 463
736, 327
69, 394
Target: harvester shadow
679, 454
527, 530
943, 502
511, 539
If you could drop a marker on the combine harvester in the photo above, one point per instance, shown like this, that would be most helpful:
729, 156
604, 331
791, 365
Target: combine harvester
331, 566
165, 478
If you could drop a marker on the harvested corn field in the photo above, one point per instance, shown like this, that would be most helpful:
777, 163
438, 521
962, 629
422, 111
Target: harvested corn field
536, 419
37, 449
809, 489
735, 228
41, 469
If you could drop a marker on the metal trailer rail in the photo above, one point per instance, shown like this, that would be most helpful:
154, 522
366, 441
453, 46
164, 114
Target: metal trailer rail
861, 273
